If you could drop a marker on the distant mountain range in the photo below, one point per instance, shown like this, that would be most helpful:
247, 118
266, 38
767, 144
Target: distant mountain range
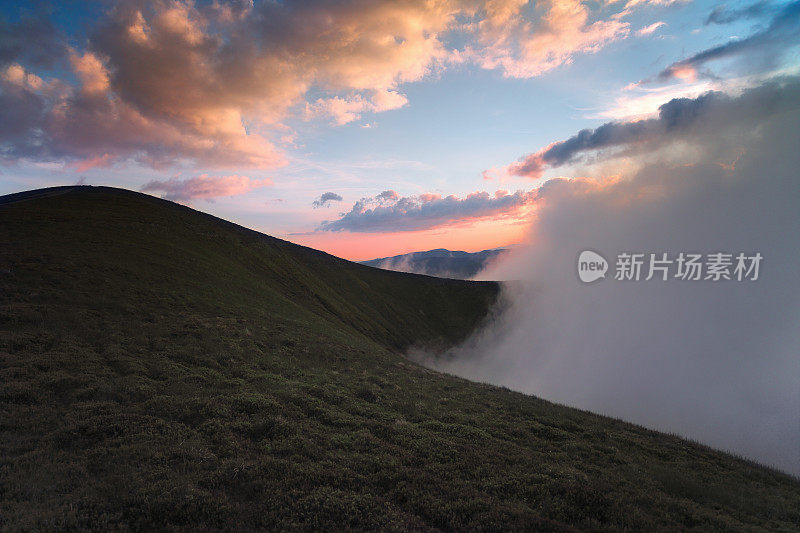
440, 262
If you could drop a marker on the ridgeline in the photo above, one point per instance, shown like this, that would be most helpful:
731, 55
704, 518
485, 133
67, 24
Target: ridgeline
163, 368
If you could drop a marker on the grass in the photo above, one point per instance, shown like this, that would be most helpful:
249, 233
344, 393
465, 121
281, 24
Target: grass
161, 368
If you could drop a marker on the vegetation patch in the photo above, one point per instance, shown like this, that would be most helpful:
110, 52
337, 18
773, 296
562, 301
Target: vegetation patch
164, 369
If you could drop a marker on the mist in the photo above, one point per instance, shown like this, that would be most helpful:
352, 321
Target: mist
718, 362
440, 263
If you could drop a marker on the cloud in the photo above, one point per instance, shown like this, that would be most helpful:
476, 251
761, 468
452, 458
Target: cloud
648, 30
678, 120
388, 196
326, 199
722, 14
175, 83
21, 110
204, 186
345, 110
761, 50
630, 5
637, 102
32, 40
508, 40
56, 121
716, 362
388, 212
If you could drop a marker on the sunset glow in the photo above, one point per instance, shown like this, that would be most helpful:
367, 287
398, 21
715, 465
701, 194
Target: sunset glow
468, 236
296, 117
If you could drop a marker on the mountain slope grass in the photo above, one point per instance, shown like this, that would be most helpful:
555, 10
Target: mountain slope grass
161, 368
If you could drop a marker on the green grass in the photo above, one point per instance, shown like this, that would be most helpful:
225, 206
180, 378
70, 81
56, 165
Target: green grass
161, 368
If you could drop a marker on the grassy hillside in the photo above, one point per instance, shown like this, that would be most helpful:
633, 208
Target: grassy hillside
163, 368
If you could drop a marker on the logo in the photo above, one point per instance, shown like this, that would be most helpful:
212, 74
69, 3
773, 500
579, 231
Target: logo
664, 266
591, 266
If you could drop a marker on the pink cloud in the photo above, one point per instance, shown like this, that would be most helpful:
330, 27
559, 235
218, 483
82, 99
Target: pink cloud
647, 30
204, 186
684, 72
345, 110
530, 166
93, 162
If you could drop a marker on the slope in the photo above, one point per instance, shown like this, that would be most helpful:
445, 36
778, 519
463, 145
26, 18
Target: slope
164, 368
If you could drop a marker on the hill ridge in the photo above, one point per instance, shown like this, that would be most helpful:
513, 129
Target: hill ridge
162, 369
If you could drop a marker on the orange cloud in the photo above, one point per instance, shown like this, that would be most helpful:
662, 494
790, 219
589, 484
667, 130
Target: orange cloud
344, 110
15, 74
165, 82
91, 71
523, 48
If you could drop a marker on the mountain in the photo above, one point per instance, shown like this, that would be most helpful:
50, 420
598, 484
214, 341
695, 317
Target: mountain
165, 369
440, 262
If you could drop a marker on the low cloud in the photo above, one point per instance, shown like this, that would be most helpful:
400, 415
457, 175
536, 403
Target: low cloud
204, 186
326, 199
716, 362
440, 263
388, 212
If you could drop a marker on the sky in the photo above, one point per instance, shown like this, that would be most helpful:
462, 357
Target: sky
370, 128
363, 128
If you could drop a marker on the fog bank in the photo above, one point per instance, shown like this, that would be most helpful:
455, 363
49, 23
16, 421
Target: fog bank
714, 361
